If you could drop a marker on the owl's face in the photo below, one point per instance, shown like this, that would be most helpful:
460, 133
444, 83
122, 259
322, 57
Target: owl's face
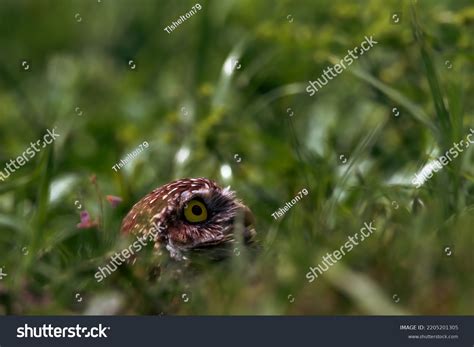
191, 213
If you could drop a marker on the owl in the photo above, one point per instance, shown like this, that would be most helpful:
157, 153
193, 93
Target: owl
190, 214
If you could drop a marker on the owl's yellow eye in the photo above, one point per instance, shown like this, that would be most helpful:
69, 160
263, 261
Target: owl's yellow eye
195, 211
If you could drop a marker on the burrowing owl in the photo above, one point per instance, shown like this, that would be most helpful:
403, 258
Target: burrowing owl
190, 214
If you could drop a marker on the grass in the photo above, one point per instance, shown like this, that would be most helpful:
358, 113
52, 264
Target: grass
49, 260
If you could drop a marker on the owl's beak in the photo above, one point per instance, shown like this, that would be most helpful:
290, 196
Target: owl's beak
248, 219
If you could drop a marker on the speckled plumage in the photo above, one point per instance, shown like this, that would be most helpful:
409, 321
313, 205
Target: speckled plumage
162, 211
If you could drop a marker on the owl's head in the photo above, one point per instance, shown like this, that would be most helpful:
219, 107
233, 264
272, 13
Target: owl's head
191, 214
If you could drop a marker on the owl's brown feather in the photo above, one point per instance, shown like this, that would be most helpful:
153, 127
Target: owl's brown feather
162, 211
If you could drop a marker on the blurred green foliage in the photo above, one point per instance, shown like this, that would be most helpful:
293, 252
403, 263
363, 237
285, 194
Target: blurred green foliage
182, 97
